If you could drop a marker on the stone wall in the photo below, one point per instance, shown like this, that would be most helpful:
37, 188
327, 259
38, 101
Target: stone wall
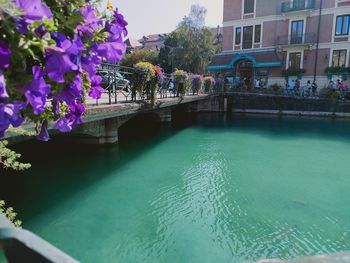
244, 102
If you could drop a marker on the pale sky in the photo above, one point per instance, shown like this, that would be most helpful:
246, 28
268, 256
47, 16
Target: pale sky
147, 17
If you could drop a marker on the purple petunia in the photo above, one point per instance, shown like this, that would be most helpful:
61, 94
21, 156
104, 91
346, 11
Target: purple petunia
44, 133
72, 119
120, 21
37, 90
5, 53
9, 115
91, 22
33, 10
73, 91
96, 90
90, 63
58, 64
111, 51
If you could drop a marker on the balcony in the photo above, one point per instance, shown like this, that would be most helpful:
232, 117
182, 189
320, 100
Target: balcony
308, 39
298, 6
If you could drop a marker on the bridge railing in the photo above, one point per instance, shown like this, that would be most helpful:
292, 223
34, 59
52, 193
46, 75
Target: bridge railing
117, 82
22, 246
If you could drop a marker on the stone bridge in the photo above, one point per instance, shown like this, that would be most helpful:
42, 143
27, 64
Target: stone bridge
102, 123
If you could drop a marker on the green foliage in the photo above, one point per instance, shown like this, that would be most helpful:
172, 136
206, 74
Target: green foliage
140, 55
187, 48
182, 82
275, 89
329, 93
337, 70
9, 213
9, 158
293, 72
145, 80
209, 83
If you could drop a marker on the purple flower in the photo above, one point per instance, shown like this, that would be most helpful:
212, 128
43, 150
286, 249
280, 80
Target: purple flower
73, 91
112, 51
40, 31
37, 90
33, 10
9, 115
3, 92
5, 53
44, 133
58, 64
56, 106
72, 119
91, 22
96, 90
119, 20
90, 63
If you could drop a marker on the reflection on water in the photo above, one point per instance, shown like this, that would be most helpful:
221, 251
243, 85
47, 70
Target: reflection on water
220, 190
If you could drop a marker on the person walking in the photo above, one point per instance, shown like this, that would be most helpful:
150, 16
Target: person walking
314, 88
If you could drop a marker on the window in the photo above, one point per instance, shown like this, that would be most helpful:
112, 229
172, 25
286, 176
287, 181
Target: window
339, 58
257, 34
297, 28
294, 60
249, 6
342, 25
248, 37
238, 36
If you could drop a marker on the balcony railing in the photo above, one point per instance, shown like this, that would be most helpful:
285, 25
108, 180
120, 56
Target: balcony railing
300, 39
297, 5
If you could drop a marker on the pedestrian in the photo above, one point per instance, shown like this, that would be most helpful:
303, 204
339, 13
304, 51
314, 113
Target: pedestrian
314, 88
257, 84
297, 87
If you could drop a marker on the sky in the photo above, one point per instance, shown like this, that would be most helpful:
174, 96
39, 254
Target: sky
147, 17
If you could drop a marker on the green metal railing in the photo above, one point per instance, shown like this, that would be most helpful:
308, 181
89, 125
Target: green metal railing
298, 5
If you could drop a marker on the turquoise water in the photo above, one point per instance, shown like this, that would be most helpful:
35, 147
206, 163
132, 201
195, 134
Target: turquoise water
220, 190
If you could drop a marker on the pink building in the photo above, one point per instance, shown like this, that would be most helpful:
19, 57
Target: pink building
277, 40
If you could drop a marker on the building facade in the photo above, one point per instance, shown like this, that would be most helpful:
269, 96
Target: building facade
153, 42
279, 40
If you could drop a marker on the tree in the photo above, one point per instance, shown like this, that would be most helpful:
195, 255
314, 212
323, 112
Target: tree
190, 46
196, 18
141, 55
187, 48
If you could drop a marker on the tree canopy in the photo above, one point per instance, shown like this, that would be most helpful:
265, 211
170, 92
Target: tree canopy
190, 46
139, 55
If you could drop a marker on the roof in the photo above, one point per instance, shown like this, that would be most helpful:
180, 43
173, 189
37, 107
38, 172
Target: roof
153, 38
134, 43
261, 58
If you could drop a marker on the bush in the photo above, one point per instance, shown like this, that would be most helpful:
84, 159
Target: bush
275, 89
328, 93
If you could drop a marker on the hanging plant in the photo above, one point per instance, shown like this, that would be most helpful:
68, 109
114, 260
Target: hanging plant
209, 83
196, 83
182, 82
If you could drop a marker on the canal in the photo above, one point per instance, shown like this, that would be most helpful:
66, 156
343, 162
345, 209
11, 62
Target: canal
217, 190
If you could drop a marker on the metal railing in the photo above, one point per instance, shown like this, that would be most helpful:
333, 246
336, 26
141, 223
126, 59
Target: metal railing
117, 82
297, 5
297, 39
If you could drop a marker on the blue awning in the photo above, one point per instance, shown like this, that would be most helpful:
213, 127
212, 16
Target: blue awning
260, 59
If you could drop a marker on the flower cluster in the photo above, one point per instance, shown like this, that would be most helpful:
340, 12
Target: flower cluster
49, 55
146, 79
209, 84
197, 81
